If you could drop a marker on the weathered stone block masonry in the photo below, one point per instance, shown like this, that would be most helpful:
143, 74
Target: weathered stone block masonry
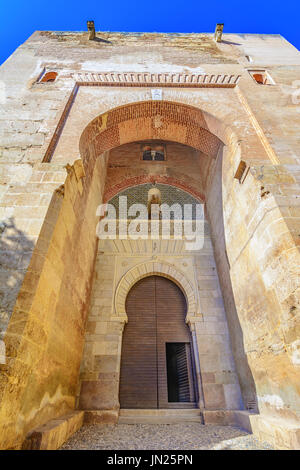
228, 116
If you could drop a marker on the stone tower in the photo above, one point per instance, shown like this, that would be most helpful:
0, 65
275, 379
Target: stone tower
87, 118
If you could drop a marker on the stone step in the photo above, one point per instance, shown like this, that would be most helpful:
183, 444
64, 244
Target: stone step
166, 416
159, 412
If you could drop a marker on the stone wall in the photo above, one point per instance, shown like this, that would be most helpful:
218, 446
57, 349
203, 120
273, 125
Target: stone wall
221, 387
27, 192
99, 378
44, 338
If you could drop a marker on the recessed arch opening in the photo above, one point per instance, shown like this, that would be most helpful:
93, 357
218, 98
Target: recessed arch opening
159, 121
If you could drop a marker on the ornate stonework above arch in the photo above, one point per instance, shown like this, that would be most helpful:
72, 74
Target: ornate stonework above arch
150, 268
161, 120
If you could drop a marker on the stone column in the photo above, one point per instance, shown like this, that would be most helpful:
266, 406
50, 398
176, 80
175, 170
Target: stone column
99, 395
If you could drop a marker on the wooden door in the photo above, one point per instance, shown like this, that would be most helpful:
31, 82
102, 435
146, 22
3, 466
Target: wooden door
138, 378
156, 310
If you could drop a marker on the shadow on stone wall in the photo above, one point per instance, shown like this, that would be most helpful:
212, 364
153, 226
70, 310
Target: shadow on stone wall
15, 253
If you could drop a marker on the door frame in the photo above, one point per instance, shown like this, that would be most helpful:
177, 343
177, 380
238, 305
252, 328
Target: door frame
120, 299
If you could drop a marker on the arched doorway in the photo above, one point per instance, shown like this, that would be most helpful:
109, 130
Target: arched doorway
221, 147
156, 360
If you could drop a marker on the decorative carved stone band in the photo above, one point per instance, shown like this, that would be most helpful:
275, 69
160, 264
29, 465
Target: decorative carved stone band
148, 269
148, 79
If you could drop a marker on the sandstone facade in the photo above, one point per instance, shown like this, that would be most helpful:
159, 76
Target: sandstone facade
70, 144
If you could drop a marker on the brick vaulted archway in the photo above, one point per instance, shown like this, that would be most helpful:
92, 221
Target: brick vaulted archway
169, 121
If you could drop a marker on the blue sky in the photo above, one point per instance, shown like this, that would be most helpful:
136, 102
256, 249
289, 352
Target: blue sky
20, 18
